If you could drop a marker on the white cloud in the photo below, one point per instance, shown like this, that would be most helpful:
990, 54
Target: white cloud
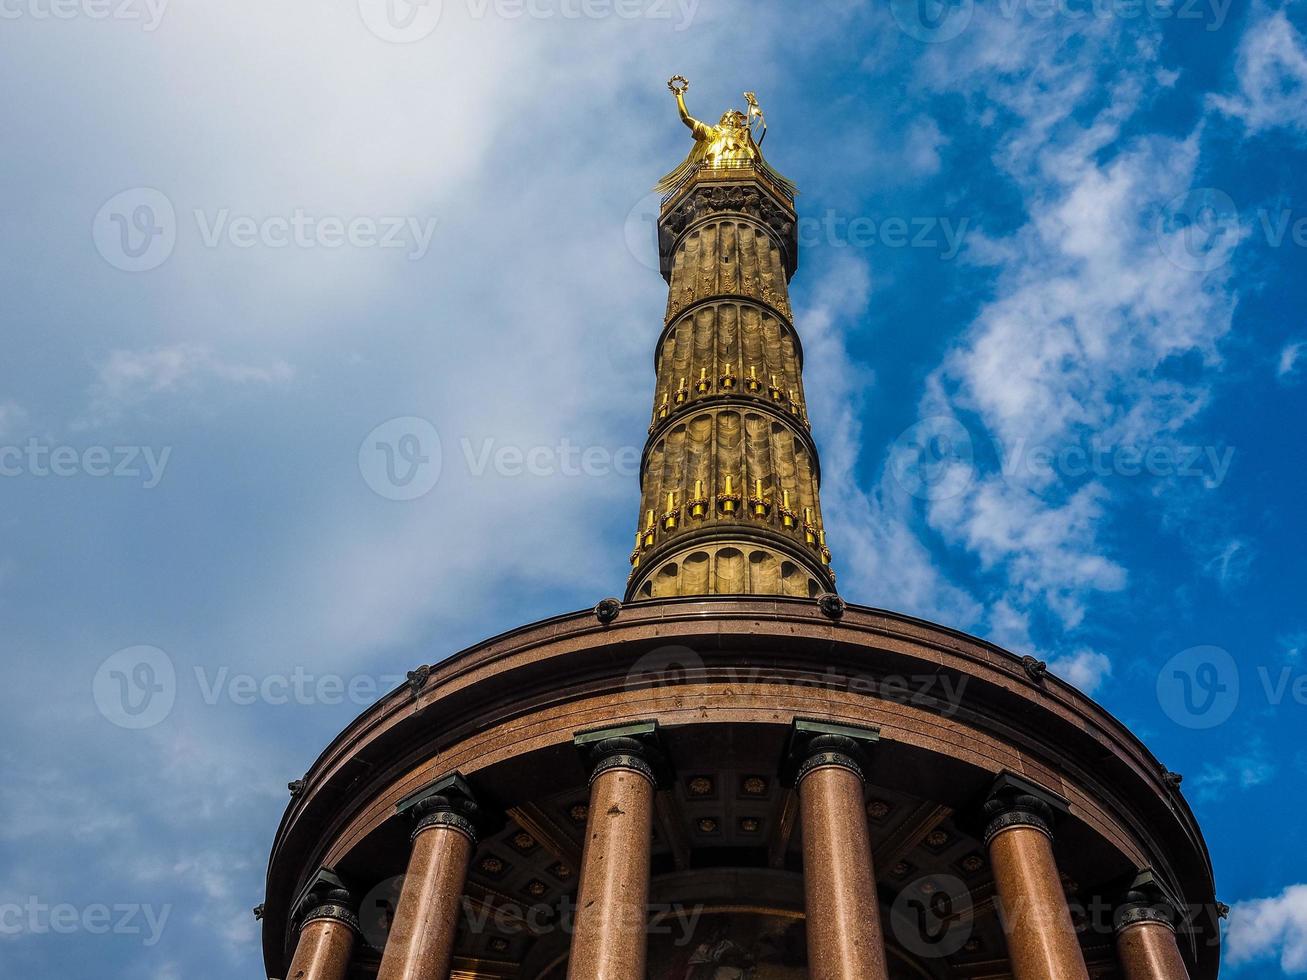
1286, 365
922, 145
1272, 77
1241, 771
1086, 669
1264, 928
1089, 309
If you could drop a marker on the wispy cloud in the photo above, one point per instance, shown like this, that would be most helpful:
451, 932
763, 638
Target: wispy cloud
1240, 771
129, 378
1272, 76
1286, 365
1230, 561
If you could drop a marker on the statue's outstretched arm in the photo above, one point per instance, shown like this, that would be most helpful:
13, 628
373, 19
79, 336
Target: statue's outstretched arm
696, 127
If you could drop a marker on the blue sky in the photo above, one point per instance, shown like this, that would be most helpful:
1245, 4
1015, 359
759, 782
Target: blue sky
238, 238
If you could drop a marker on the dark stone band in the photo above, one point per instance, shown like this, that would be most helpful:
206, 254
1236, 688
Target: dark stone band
448, 819
335, 913
1017, 818
1134, 914
821, 760
623, 761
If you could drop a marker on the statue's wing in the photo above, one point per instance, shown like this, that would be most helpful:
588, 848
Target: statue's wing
674, 179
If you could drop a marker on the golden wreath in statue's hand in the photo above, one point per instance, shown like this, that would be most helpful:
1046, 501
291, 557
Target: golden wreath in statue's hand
672, 86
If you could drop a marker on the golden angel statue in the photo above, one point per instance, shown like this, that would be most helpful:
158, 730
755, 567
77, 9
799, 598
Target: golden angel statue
730, 142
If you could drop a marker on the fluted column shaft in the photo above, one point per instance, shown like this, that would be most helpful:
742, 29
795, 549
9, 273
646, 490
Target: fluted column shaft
730, 481
610, 939
1041, 939
845, 941
421, 941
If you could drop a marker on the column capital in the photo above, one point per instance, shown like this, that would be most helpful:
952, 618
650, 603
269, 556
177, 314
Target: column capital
448, 802
1147, 899
1015, 802
636, 747
325, 897
816, 745
767, 204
